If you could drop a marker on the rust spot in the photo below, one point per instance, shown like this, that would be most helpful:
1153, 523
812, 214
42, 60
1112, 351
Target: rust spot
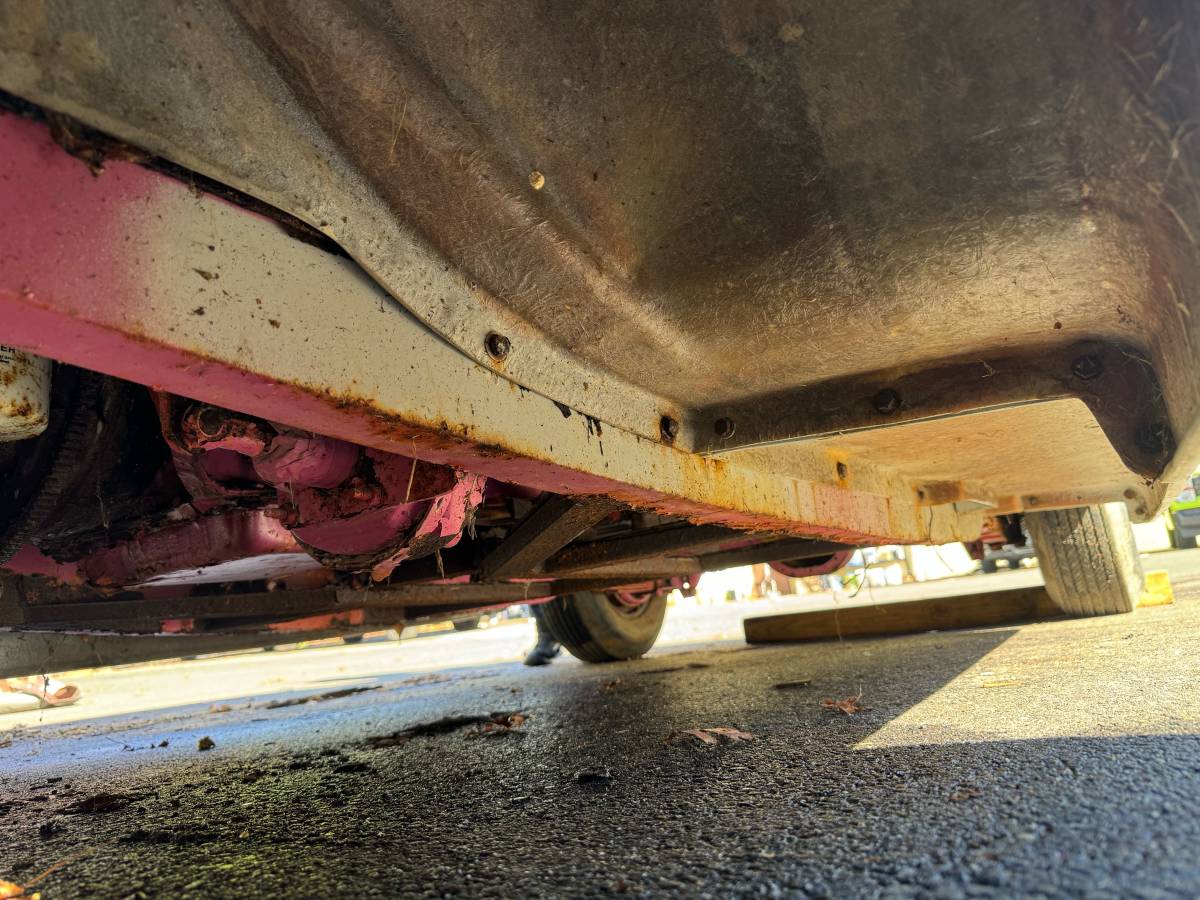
274, 323
198, 311
90, 147
207, 276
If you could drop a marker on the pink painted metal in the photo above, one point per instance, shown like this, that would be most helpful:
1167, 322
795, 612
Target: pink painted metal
349, 507
368, 532
224, 466
350, 617
636, 595
442, 525
308, 460
66, 291
835, 562
213, 548
30, 561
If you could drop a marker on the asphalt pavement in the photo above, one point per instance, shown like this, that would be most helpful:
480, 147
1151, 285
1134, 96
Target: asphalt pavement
1053, 759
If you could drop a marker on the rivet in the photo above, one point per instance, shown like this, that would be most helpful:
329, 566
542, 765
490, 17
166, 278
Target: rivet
886, 401
1130, 493
724, 427
668, 428
1087, 367
497, 345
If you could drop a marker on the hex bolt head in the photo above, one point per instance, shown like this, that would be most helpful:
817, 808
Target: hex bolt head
497, 346
210, 422
724, 427
668, 428
1087, 367
886, 402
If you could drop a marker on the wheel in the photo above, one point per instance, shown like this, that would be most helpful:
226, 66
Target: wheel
352, 639
988, 566
1088, 558
467, 624
604, 627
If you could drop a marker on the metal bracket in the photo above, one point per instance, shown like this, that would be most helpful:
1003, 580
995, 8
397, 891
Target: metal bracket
1116, 382
708, 542
549, 526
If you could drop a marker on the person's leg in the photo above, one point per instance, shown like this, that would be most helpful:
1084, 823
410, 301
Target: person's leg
546, 647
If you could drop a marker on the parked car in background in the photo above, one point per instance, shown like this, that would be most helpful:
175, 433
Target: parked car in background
1183, 516
1003, 540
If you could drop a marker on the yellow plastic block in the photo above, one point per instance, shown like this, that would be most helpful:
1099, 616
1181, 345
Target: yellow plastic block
1157, 590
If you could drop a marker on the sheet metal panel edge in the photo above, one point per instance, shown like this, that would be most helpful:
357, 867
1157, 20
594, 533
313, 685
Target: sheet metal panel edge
133, 274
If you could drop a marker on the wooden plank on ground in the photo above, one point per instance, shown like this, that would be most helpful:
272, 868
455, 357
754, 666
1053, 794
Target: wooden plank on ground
904, 617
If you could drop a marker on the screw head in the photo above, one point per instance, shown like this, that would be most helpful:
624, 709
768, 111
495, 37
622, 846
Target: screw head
497, 345
724, 427
1087, 367
668, 428
886, 402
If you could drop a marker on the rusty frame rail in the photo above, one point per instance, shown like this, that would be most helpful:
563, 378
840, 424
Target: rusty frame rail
137, 275
1115, 381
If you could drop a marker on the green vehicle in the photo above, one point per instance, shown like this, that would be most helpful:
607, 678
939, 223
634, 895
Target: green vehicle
1183, 516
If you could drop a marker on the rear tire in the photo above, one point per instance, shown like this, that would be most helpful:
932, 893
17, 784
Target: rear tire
596, 629
1088, 558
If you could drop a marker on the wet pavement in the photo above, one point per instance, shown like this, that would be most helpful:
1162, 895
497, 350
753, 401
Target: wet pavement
1058, 759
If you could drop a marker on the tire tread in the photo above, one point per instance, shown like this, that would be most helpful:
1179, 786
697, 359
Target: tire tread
1088, 559
585, 624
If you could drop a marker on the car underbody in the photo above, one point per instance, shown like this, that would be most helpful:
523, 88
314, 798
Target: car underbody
365, 312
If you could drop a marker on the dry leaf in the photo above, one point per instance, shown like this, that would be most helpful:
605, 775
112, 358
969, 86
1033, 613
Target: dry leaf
849, 706
713, 736
205, 743
497, 724
8, 889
